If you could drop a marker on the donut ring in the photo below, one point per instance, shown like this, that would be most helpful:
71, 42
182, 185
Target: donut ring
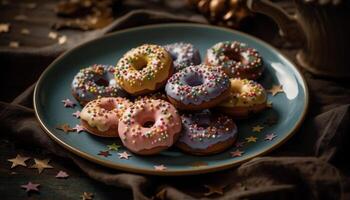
95, 82
144, 69
246, 97
197, 87
100, 117
183, 54
149, 126
205, 133
237, 60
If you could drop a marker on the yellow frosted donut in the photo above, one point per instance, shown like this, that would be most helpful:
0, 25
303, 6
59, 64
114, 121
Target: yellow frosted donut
246, 96
144, 69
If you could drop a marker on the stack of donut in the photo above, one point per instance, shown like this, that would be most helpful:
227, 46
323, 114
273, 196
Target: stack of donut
162, 96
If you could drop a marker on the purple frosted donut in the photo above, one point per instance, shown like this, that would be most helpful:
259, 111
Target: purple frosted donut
197, 87
206, 133
237, 59
95, 82
183, 54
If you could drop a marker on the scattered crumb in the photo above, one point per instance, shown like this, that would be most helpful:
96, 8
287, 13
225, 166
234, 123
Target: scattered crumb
62, 40
4, 27
21, 17
25, 31
14, 44
53, 35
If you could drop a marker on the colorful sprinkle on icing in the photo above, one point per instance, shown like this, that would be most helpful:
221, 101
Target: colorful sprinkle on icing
183, 54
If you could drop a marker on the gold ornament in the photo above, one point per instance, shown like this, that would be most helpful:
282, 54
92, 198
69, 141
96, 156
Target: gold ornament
223, 12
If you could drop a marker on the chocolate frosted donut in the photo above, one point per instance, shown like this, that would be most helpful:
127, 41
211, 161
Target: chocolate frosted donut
236, 59
95, 82
206, 133
183, 54
197, 87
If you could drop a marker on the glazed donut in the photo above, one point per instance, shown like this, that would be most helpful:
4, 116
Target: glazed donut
205, 133
95, 82
246, 97
236, 59
144, 69
100, 116
197, 87
149, 126
183, 54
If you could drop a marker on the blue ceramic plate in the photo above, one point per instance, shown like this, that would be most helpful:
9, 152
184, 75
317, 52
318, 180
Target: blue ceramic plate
286, 115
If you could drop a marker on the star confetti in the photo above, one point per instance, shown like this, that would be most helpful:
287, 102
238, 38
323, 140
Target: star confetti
4, 27
270, 136
25, 31
14, 44
62, 40
239, 144
124, 155
65, 128
113, 147
257, 128
159, 167
269, 104
87, 196
104, 153
18, 161
76, 114
237, 153
214, 190
79, 128
31, 187
276, 89
52, 35
199, 164
62, 174
41, 164
68, 103
251, 139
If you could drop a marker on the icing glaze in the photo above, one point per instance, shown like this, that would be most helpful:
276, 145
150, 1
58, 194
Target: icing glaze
236, 59
204, 129
95, 82
245, 93
136, 135
183, 54
197, 84
105, 112
143, 68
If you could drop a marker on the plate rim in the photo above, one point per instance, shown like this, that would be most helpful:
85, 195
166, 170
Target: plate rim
194, 171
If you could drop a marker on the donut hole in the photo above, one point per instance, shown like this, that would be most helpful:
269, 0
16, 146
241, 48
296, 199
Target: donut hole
194, 80
203, 125
148, 123
140, 63
233, 56
108, 106
102, 82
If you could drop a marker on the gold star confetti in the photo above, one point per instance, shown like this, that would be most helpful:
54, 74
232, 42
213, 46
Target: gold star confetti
14, 44
4, 27
25, 31
199, 164
18, 161
41, 164
257, 128
113, 147
159, 167
269, 104
214, 190
62, 40
87, 196
251, 139
276, 89
52, 35
65, 128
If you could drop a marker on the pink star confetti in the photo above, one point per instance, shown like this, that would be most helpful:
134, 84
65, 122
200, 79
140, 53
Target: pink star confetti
237, 153
159, 167
62, 174
79, 128
270, 136
124, 155
239, 144
76, 114
31, 187
68, 103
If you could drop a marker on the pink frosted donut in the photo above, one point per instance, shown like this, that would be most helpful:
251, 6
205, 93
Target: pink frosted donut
149, 126
100, 116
